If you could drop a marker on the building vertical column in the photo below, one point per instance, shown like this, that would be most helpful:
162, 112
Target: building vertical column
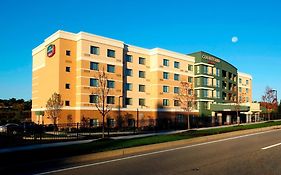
256, 118
228, 119
213, 118
220, 118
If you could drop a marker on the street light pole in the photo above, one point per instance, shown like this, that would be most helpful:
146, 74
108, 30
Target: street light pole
119, 106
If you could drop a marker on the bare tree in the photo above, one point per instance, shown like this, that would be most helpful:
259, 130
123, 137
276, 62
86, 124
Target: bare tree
268, 100
102, 92
186, 98
53, 107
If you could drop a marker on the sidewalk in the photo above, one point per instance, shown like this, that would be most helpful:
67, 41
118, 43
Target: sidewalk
49, 145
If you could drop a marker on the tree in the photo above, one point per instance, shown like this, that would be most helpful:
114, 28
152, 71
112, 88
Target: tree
102, 92
53, 107
186, 98
269, 101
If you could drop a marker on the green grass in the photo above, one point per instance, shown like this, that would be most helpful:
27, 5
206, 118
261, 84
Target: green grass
109, 144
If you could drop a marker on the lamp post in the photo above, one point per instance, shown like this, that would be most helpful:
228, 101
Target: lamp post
275, 98
119, 106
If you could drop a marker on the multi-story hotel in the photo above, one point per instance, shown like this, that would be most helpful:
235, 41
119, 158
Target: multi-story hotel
143, 81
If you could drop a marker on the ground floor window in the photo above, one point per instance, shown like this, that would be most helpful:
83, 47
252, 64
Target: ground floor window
180, 118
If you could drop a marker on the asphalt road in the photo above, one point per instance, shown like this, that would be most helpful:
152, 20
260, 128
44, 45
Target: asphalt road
252, 154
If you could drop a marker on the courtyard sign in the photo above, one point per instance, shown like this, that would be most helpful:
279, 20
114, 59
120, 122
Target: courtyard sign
210, 59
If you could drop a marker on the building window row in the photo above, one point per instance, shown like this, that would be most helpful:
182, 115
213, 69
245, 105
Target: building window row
96, 51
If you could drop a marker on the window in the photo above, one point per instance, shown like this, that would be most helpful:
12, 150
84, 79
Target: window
110, 84
110, 53
141, 101
165, 62
205, 81
141, 74
141, 88
95, 50
94, 98
205, 69
67, 103
94, 122
198, 81
240, 89
205, 93
190, 67
176, 64
218, 83
67, 69
166, 89
165, 102
198, 69
190, 79
176, 77
218, 72
176, 103
110, 99
94, 66
129, 86
247, 82
129, 58
94, 82
180, 118
165, 75
67, 52
247, 99
247, 90
240, 80
67, 86
176, 90
141, 60
129, 72
128, 101
110, 68
218, 94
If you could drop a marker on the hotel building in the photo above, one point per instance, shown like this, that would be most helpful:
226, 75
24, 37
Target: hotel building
143, 82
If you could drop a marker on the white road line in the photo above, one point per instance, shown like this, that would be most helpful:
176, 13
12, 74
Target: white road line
271, 146
152, 153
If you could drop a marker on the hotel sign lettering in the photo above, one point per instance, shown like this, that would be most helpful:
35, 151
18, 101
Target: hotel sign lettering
51, 50
210, 59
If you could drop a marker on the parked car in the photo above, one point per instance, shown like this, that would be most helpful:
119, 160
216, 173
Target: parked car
11, 129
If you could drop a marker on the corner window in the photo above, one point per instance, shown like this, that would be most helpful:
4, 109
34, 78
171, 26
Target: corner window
128, 101
94, 50
110, 53
129, 72
129, 58
190, 79
129, 86
240, 80
190, 67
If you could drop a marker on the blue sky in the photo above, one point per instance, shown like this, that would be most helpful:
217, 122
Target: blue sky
183, 26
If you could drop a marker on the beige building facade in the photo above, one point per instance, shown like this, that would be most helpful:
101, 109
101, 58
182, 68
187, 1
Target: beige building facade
143, 82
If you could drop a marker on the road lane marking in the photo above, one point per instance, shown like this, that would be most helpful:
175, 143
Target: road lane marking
271, 146
152, 153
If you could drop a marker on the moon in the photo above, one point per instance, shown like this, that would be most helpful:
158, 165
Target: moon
234, 39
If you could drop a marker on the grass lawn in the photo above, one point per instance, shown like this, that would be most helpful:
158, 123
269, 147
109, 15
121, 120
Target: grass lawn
109, 144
